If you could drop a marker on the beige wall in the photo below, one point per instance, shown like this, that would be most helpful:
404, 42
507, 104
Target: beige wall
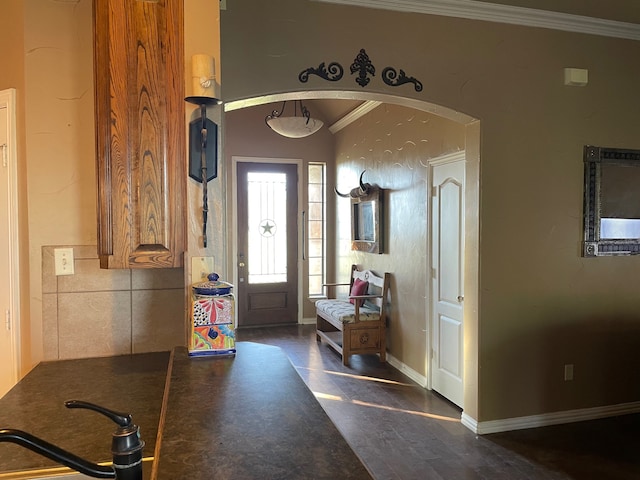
60, 136
13, 76
202, 35
541, 305
393, 145
60, 140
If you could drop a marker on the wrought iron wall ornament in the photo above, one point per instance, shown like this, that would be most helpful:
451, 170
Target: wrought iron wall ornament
390, 77
362, 64
332, 73
203, 149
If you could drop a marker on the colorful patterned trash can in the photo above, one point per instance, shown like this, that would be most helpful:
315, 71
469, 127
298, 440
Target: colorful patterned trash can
212, 324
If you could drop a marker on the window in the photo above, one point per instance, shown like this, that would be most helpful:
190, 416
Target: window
316, 228
267, 220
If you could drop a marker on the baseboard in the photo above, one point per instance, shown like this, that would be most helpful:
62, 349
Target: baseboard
547, 419
530, 421
308, 321
409, 372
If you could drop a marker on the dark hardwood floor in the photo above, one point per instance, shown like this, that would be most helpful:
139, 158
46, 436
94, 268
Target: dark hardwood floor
402, 431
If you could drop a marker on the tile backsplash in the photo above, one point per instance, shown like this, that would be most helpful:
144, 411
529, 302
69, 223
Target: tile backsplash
97, 312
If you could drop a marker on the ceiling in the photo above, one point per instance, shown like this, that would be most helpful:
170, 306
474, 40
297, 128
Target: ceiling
336, 113
331, 110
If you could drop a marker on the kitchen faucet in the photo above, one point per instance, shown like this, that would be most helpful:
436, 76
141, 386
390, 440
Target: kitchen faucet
126, 447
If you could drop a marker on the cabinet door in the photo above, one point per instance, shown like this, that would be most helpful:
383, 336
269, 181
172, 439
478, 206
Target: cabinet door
139, 101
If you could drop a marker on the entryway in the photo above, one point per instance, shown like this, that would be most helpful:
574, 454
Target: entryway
469, 264
267, 243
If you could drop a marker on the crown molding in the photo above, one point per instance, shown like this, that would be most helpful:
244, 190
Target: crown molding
492, 12
353, 115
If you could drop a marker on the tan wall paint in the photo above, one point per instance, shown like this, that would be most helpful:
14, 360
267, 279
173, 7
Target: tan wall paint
394, 144
541, 304
13, 76
202, 35
60, 137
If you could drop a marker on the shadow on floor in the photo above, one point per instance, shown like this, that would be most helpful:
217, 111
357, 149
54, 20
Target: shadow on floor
402, 431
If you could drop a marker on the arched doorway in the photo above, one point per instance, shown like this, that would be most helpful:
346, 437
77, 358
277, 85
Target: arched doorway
472, 128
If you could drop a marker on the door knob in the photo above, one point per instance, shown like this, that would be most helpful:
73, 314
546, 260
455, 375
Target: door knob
241, 264
460, 298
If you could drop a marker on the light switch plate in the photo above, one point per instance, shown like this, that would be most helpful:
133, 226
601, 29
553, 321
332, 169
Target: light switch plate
64, 261
200, 268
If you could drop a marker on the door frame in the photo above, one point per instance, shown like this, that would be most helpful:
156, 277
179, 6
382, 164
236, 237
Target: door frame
10, 155
233, 210
443, 159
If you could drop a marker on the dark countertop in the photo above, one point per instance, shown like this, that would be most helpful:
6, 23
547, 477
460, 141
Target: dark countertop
248, 417
128, 383
245, 417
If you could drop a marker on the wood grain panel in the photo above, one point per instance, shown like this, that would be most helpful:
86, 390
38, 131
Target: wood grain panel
139, 88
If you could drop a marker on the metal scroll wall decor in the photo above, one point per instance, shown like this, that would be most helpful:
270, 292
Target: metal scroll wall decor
364, 68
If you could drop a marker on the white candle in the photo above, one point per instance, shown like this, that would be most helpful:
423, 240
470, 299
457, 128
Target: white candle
203, 76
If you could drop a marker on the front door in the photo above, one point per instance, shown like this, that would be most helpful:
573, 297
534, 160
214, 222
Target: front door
267, 287
447, 240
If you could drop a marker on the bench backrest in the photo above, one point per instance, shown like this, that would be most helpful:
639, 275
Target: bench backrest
378, 285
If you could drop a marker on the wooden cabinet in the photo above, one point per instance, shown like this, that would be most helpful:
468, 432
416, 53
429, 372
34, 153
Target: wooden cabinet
140, 128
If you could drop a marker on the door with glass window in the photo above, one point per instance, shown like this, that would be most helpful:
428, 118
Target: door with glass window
267, 287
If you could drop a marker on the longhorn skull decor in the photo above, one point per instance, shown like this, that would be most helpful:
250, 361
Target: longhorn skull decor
361, 191
367, 217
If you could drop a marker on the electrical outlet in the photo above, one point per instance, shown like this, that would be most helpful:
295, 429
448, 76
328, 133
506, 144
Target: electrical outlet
223, 4
200, 268
568, 372
64, 261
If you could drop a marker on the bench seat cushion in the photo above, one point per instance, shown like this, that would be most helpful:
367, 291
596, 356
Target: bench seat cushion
344, 312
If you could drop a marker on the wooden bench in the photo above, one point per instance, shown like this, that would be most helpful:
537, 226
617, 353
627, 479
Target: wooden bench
352, 328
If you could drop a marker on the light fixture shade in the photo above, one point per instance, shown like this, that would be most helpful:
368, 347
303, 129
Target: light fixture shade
294, 127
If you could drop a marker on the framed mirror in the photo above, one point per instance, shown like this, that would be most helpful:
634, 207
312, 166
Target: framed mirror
611, 201
366, 222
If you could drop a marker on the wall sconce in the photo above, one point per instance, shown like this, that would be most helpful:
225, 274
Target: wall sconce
293, 127
203, 133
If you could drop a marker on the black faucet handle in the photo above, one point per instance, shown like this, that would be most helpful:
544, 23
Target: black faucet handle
122, 419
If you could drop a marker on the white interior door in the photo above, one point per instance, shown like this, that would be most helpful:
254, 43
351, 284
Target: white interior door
9, 328
447, 241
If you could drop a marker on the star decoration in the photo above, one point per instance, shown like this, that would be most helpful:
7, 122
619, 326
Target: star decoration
267, 228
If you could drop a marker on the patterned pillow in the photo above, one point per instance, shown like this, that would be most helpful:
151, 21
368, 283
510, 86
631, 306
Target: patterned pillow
359, 288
